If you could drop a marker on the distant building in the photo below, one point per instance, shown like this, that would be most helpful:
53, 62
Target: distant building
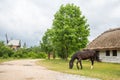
14, 44
107, 45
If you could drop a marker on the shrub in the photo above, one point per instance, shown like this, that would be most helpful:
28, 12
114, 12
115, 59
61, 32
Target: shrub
41, 55
5, 51
20, 53
37, 55
32, 55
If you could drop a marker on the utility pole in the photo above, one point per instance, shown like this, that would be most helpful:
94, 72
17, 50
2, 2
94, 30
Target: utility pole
6, 38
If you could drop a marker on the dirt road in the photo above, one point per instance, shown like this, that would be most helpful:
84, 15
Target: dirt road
28, 70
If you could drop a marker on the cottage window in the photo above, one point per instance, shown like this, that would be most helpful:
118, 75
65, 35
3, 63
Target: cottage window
114, 52
107, 53
98, 52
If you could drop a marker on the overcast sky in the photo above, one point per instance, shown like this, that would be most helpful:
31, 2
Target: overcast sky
27, 20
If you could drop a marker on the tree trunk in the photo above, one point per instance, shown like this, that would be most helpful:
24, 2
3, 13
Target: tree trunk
66, 53
49, 56
54, 55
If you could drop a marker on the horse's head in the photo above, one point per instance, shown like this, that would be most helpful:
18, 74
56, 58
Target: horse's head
70, 64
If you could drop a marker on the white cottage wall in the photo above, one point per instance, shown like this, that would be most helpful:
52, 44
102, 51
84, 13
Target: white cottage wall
111, 58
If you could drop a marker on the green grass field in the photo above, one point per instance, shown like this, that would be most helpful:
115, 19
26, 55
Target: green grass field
4, 60
104, 71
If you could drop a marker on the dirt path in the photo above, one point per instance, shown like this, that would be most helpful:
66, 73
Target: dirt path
27, 70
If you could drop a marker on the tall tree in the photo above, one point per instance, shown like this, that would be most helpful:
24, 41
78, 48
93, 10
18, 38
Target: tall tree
46, 44
70, 30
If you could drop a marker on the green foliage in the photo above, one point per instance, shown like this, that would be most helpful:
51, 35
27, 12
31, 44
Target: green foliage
21, 53
35, 49
36, 52
41, 55
38, 55
46, 44
33, 52
32, 55
5, 59
5, 52
69, 32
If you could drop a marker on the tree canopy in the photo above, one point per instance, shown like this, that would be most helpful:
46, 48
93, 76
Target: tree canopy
69, 32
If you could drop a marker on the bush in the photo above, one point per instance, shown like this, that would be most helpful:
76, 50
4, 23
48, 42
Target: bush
41, 55
32, 55
20, 53
37, 55
5, 52
17, 55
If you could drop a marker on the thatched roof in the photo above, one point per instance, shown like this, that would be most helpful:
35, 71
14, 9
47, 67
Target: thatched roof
108, 40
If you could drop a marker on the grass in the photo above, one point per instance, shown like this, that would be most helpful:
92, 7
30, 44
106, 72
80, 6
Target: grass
7, 59
104, 71
3, 60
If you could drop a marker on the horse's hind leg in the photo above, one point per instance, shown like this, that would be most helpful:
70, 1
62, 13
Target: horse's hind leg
91, 66
92, 61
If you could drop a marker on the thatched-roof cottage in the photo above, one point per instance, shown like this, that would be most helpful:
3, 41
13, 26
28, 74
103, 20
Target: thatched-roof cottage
107, 45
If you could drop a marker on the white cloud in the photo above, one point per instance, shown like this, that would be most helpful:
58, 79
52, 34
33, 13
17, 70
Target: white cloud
115, 13
29, 19
24, 19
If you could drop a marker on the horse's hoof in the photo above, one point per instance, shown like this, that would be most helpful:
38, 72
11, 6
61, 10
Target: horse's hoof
91, 67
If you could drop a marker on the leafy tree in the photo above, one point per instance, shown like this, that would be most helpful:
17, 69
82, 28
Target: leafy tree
46, 44
70, 30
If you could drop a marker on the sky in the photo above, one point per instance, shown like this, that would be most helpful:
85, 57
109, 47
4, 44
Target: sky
27, 20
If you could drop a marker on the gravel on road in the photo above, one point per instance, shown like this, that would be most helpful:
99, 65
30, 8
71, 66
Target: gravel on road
28, 70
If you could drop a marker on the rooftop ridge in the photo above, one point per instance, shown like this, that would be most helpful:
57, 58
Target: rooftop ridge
110, 39
111, 30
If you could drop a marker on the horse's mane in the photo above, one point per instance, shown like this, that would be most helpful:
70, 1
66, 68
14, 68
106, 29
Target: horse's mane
74, 56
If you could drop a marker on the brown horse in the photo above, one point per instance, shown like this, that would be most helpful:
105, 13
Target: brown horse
83, 55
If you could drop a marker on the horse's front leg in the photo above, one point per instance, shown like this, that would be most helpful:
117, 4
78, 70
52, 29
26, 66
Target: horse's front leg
77, 65
80, 63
